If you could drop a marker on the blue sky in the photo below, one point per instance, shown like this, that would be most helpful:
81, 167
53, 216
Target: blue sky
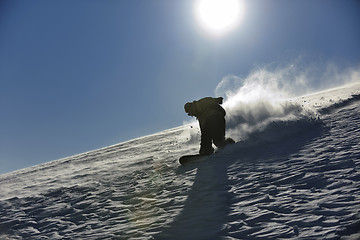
80, 75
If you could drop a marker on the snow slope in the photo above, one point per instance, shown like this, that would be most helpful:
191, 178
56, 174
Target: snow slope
294, 174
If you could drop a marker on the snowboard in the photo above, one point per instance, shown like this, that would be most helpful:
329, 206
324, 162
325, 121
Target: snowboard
190, 158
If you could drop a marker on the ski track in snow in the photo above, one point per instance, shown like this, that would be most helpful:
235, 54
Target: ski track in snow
302, 185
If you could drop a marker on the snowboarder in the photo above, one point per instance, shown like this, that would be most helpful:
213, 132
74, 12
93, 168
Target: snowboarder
211, 117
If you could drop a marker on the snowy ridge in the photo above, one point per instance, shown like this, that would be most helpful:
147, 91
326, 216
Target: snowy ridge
294, 175
341, 104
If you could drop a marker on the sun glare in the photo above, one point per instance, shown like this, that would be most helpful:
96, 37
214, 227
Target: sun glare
219, 16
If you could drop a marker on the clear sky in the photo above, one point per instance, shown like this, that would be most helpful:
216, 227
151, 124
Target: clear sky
77, 75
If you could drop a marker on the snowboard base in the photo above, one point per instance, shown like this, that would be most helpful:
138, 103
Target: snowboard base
190, 158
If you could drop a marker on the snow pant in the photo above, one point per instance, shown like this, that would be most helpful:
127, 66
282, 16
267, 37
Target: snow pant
212, 130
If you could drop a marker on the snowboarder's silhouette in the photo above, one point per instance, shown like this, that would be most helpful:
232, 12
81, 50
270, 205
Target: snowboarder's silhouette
211, 117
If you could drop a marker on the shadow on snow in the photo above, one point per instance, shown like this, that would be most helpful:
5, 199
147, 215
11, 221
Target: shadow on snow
206, 210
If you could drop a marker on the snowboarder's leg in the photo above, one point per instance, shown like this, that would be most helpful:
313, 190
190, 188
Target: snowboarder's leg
206, 138
213, 130
206, 143
218, 132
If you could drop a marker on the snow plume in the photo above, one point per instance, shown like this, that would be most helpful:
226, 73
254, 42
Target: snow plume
256, 104
266, 98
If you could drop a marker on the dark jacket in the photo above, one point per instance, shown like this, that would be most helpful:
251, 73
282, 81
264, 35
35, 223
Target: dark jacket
205, 108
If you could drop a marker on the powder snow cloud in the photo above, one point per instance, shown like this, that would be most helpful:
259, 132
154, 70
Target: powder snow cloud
266, 94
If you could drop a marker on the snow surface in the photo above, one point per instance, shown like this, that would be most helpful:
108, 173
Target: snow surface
294, 174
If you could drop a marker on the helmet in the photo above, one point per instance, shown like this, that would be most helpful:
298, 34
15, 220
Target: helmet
189, 108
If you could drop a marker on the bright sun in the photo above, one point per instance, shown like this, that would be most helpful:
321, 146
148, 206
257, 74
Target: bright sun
219, 16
